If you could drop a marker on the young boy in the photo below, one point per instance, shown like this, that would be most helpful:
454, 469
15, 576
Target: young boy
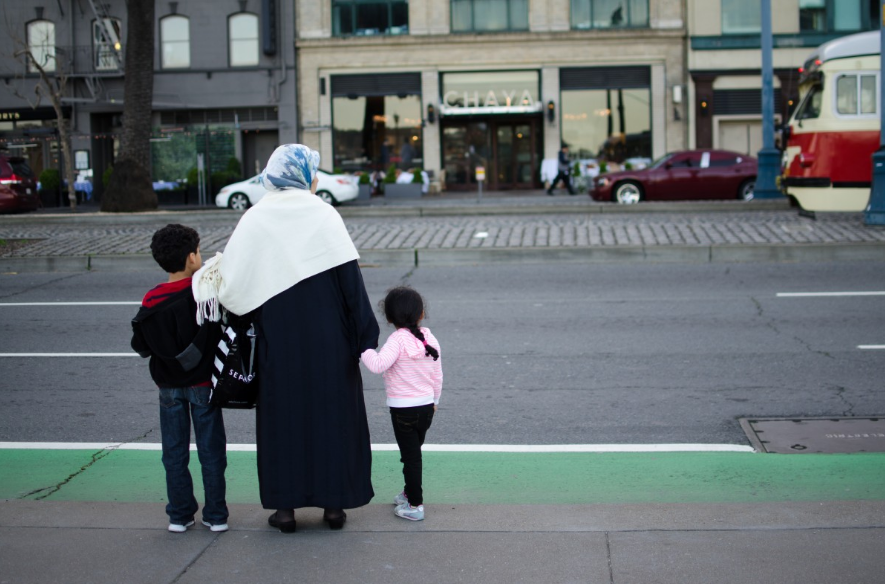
182, 356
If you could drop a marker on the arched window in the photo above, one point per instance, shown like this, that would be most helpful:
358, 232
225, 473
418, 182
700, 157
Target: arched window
242, 34
175, 42
41, 44
107, 49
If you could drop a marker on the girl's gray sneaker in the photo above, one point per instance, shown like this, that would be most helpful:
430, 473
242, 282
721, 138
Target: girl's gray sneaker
406, 511
400, 499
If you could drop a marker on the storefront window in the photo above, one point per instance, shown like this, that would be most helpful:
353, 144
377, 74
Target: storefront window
41, 44
373, 132
587, 14
242, 30
608, 124
370, 17
175, 42
489, 15
741, 16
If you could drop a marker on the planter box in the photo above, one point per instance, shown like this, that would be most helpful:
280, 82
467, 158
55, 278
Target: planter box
365, 192
403, 191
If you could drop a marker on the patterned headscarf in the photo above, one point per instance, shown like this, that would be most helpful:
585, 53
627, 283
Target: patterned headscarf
291, 166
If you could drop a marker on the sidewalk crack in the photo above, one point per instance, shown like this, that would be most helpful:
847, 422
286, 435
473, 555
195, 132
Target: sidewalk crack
96, 456
608, 555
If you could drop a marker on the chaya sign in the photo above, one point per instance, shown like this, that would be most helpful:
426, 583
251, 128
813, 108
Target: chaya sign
490, 99
492, 102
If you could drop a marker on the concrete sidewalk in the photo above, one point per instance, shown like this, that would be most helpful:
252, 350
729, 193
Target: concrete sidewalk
449, 231
792, 542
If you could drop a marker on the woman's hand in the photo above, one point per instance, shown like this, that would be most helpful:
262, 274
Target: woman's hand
434, 408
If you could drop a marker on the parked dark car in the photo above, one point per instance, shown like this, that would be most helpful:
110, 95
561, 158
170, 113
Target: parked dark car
687, 175
18, 186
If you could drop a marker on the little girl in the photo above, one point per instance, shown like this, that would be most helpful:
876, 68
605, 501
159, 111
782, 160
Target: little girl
412, 371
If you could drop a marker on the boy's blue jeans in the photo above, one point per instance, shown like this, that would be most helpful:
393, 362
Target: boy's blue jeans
177, 407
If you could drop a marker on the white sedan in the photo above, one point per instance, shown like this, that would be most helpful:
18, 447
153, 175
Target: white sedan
331, 188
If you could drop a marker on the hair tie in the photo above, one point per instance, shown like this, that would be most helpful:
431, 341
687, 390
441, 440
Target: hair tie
425, 343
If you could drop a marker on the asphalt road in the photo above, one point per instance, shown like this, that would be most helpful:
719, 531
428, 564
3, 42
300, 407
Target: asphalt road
533, 354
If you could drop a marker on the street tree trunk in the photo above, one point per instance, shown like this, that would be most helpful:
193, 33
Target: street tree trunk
130, 188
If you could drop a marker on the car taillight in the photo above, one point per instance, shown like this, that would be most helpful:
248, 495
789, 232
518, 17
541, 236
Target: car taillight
11, 180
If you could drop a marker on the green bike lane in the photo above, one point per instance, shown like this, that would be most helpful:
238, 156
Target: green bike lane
487, 478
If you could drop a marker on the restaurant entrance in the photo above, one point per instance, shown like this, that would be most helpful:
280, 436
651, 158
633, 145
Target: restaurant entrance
507, 147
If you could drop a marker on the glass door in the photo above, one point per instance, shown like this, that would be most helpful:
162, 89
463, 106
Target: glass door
515, 156
466, 146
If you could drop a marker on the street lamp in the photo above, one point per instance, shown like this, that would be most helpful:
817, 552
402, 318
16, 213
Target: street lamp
769, 157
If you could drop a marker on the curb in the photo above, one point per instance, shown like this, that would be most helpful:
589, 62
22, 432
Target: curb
392, 210
389, 258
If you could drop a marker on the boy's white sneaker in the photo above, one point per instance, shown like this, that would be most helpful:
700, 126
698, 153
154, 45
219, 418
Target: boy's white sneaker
406, 511
216, 527
179, 528
400, 499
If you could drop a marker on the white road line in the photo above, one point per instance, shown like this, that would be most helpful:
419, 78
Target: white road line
130, 354
871, 347
509, 448
825, 294
2, 304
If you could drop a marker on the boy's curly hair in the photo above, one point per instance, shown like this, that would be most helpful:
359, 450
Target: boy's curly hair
172, 244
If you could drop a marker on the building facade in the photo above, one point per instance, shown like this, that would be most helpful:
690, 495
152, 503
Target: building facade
224, 82
725, 60
451, 85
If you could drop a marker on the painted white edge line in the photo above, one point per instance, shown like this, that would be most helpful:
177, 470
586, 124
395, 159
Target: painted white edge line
874, 347
2, 304
517, 448
131, 354
824, 294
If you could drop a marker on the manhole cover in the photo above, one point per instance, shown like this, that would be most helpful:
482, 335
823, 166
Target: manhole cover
821, 435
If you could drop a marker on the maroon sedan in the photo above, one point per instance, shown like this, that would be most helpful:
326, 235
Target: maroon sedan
18, 189
692, 174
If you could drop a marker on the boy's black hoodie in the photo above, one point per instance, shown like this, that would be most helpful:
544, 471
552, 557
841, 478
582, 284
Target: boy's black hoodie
165, 329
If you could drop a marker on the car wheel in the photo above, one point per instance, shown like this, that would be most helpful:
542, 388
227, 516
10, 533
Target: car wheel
238, 202
327, 197
746, 191
627, 193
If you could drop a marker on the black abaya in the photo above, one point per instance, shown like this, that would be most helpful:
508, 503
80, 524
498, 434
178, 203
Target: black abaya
312, 432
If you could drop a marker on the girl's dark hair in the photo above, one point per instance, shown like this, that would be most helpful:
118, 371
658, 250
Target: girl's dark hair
172, 244
403, 308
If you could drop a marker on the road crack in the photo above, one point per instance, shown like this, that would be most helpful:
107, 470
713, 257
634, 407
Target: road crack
96, 456
38, 286
840, 393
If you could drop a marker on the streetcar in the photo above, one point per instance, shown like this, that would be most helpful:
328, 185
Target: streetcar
832, 135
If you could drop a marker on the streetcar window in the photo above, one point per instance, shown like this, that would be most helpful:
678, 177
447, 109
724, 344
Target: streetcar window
810, 106
868, 94
856, 95
846, 94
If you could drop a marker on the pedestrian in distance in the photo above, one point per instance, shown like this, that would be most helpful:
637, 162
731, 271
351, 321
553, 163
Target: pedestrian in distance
564, 172
292, 267
182, 354
410, 364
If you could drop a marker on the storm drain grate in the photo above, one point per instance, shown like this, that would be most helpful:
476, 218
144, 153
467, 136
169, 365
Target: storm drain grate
820, 435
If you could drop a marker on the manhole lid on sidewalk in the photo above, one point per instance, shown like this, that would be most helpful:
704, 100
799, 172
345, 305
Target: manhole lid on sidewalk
815, 435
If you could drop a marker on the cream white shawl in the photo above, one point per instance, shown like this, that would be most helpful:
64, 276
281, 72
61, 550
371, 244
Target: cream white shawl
290, 235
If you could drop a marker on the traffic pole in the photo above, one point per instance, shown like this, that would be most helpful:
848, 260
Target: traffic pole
769, 167
875, 211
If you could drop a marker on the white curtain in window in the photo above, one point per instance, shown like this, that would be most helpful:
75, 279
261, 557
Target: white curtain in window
243, 33
41, 43
868, 101
175, 37
741, 16
638, 12
846, 94
462, 15
490, 15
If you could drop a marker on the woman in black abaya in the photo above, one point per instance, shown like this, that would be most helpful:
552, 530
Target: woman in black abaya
292, 265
